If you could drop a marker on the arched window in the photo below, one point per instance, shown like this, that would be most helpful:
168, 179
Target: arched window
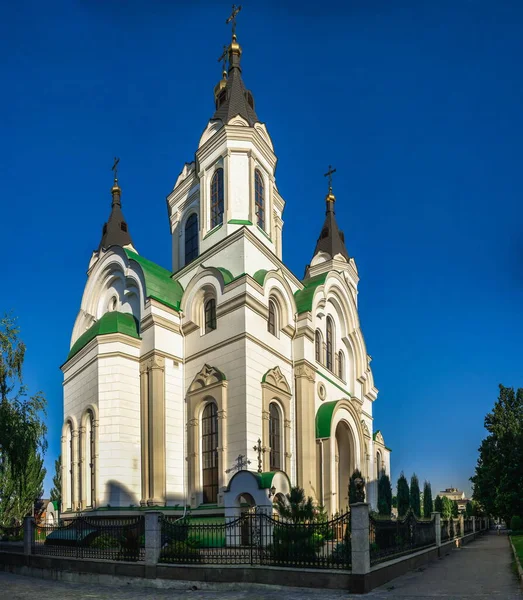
217, 198
379, 466
330, 343
210, 453
191, 238
317, 345
272, 323
210, 315
69, 466
341, 365
275, 437
259, 199
90, 459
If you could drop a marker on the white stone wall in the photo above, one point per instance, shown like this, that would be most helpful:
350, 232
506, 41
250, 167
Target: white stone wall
119, 468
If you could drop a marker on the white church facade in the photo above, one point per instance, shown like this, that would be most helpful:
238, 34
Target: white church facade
173, 375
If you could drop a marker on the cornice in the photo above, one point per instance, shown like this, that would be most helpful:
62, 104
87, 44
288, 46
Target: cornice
152, 319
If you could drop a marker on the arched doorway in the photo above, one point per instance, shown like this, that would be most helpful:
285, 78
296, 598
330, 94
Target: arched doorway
344, 464
247, 512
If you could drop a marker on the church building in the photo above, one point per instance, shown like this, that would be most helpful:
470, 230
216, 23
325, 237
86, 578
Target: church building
227, 378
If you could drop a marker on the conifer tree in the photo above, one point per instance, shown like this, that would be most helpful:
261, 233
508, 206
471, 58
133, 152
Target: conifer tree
56, 490
427, 500
415, 504
455, 509
353, 495
384, 496
403, 495
438, 505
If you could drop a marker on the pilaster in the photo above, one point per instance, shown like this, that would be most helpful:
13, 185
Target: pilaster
305, 376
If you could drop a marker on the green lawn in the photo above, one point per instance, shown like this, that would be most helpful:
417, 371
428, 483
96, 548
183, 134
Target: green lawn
517, 540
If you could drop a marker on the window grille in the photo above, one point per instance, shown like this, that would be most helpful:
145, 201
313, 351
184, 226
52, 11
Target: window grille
191, 238
217, 198
259, 199
275, 437
210, 315
210, 453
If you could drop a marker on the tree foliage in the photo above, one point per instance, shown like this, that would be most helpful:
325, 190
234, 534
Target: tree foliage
427, 500
415, 503
56, 490
384, 495
438, 504
18, 495
469, 511
447, 508
498, 479
295, 507
455, 509
354, 496
403, 495
22, 430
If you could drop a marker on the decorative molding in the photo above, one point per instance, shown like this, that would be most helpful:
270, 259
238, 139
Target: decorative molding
305, 370
365, 428
208, 376
275, 378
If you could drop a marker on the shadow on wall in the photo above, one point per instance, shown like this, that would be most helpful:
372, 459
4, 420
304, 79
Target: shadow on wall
119, 495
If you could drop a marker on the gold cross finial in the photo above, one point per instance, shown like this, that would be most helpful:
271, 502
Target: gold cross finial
329, 174
232, 18
115, 169
223, 58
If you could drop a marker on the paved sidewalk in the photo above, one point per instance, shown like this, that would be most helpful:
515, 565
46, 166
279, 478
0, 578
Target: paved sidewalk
480, 570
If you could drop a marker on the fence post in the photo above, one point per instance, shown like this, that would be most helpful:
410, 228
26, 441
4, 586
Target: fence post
474, 526
29, 524
153, 537
359, 515
436, 516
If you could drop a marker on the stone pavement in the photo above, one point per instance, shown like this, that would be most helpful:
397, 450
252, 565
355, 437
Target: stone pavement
481, 570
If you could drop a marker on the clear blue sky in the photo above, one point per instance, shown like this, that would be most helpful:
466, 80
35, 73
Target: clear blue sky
417, 104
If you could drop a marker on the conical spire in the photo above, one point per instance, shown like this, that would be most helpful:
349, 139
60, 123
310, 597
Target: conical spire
331, 240
233, 98
115, 232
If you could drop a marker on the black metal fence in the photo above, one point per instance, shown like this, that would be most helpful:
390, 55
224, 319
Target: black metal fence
257, 539
92, 537
391, 538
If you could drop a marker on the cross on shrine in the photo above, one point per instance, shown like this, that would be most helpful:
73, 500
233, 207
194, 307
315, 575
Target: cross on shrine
241, 463
223, 58
115, 168
260, 450
232, 18
329, 174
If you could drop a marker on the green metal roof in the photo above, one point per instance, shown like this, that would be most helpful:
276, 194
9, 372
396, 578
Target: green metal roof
265, 479
158, 282
259, 276
305, 296
226, 274
111, 322
324, 419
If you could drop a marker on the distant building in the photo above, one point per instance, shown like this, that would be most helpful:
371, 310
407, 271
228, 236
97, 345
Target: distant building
455, 494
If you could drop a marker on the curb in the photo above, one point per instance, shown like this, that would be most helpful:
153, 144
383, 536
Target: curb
518, 564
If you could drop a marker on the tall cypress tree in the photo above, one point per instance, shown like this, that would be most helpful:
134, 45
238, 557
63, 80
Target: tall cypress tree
56, 490
455, 509
415, 504
403, 495
438, 505
427, 500
384, 496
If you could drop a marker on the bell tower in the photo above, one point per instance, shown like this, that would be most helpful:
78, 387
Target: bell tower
231, 182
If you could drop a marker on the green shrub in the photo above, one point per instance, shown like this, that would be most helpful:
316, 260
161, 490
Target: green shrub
179, 551
516, 523
105, 541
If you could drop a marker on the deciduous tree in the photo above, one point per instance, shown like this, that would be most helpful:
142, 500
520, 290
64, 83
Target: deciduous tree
22, 430
498, 479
